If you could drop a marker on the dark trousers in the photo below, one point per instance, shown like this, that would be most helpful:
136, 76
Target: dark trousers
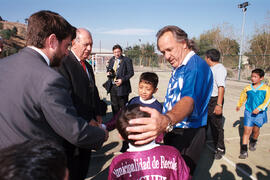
78, 164
117, 102
189, 142
216, 124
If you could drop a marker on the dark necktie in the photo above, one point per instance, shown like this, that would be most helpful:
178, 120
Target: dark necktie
83, 65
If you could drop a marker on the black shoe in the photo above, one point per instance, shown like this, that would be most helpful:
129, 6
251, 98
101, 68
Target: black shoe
219, 153
252, 146
243, 155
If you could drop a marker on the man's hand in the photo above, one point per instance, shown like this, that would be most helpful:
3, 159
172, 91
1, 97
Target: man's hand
93, 123
256, 111
99, 119
118, 82
148, 128
218, 110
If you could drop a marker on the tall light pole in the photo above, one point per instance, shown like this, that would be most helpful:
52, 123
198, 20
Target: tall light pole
243, 6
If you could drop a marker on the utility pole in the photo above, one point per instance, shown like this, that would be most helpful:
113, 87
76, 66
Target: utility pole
243, 6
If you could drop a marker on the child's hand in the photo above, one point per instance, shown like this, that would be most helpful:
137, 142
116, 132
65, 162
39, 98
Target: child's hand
256, 111
237, 108
218, 110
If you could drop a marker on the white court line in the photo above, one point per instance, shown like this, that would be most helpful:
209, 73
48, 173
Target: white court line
234, 138
233, 164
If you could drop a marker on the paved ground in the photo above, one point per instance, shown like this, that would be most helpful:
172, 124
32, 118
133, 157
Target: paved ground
256, 166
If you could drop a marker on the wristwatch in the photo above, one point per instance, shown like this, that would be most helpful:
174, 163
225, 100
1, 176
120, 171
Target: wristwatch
219, 105
169, 128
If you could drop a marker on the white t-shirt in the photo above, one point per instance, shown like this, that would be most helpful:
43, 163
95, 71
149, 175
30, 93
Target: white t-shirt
219, 74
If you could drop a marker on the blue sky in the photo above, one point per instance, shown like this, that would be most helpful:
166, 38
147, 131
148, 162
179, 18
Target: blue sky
130, 22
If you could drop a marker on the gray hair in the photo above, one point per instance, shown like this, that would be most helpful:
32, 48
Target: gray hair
179, 35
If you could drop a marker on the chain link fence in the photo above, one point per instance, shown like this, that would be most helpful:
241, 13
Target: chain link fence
231, 62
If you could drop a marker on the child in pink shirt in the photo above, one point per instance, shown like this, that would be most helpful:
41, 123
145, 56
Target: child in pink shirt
148, 161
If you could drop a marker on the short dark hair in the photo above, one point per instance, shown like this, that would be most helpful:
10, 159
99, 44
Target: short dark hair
117, 46
44, 23
213, 54
258, 71
127, 113
179, 35
32, 160
149, 78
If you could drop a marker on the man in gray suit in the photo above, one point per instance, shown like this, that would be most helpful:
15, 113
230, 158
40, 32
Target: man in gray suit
35, 101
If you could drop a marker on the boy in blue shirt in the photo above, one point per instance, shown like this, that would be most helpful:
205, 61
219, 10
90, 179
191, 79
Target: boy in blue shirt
257, 97
148, 83
147, 87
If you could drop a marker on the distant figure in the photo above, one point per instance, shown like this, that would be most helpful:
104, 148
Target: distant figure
94, 63
257, 98
35, 100
89, 60
120, 70
33, 160
85, 97
145, 161
216, 102
1, 44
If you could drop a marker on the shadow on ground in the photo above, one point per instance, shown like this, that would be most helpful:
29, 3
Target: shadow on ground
240, 124
264, 175
243, 171
99, 159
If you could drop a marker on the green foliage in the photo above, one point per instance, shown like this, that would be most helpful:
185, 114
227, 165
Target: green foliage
9, 51
259, 54
143, 55
1, 26
219, 39
206, 41
6, 33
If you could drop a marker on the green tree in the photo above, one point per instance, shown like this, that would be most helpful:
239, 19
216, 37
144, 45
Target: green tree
260, 48
220, 38
143, 55
6, 33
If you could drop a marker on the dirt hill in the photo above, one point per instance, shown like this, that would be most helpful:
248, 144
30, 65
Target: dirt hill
15, 42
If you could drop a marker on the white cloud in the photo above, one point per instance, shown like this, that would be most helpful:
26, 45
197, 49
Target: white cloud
139, 32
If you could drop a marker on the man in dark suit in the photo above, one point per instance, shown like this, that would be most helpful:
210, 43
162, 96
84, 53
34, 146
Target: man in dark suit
35, 102
123, 68
84, 94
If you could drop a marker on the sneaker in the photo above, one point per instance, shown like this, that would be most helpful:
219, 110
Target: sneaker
243, 155
219, 153
252, 146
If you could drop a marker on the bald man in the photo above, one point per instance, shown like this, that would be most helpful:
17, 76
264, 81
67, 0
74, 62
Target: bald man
84, 94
